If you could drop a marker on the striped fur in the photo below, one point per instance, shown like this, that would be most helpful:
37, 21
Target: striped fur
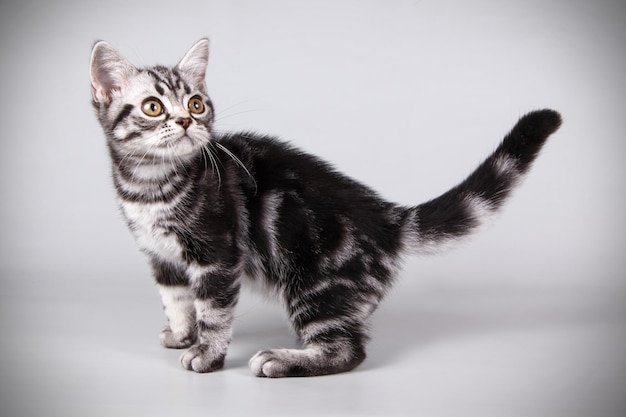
208, 209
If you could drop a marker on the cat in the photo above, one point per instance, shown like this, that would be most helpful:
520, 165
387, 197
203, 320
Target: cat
209, 209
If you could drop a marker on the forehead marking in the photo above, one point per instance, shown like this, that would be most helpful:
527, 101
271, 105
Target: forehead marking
171, 79
158, 88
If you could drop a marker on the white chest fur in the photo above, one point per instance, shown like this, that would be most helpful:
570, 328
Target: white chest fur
146, 223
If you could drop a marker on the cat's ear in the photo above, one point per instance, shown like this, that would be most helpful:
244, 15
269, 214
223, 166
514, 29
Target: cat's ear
110, 71
194, 63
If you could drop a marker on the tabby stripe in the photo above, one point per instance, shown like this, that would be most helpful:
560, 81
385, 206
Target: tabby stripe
335, 302
158, 77
131, 135
134, 189
462, 209
316, 328
147, 171
173, 283
167, 202
171, 197
325, 311
136, 185
321, 287
180, 81
122, 115
206, 327
173, 85
348, 338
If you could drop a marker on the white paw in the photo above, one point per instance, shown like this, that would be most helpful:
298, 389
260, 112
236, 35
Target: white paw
200, 358
276, 363
172, 340
311, 361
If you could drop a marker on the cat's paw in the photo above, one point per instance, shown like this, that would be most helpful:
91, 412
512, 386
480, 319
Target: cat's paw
311, 361
201, 358
277, 363
172, 340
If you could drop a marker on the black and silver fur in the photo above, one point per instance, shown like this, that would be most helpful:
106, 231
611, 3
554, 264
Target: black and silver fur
209, 209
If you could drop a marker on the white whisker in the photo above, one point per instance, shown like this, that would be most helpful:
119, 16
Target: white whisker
172, 162
132, 177
219, 119
206, 152
221, 114
237, 161
215, 166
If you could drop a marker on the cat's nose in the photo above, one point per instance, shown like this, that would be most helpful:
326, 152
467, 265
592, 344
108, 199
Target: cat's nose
184, 122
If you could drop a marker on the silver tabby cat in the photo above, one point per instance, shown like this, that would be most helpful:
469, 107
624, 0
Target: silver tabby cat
209, 209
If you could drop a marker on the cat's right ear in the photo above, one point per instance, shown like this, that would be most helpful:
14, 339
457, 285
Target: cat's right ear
110, 71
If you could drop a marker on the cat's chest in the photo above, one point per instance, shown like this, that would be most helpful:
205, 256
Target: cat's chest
152, 227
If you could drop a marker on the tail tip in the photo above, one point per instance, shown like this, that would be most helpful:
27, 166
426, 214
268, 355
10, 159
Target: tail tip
542, 122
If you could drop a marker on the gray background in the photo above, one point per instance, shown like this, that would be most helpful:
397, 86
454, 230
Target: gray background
526, 319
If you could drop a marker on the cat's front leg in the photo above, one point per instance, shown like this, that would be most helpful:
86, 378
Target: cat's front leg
216, 291
180, 332
177, 299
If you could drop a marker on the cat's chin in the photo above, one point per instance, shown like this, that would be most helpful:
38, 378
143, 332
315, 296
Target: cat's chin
180, 149
184, 146
171, 155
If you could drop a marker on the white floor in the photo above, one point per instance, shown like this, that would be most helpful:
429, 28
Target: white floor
440, 348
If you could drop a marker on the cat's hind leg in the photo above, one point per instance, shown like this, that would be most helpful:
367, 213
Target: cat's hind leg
330, 318
341, 352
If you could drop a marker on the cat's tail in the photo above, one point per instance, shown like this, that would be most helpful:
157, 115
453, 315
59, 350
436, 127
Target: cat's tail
434, 225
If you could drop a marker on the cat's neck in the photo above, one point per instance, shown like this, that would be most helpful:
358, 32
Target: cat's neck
138, 180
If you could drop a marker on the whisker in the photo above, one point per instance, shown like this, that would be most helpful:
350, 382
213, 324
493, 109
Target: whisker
132, 177
172, 162
206, 153
238, 162
220, 114
219, 118
181, 163
229, 132
204, 157
214, 163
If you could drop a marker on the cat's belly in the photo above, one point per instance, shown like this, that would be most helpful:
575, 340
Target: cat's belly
146, 221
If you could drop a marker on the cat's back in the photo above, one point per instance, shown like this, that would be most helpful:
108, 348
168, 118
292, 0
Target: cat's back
276, 164
301, 187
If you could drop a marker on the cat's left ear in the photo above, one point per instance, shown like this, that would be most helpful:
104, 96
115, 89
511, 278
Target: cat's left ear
195, 62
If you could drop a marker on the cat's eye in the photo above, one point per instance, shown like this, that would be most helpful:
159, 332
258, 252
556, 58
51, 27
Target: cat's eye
152, 107
196, 105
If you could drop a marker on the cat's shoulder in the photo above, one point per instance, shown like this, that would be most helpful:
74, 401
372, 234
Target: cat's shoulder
251, 138
259, 145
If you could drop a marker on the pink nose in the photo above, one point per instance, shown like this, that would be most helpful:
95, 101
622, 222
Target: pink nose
184, 122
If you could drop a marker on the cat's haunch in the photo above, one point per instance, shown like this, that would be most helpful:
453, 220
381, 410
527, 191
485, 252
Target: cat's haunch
214, 210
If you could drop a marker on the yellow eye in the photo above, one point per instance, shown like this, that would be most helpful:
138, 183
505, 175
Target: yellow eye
152, 107
196, 105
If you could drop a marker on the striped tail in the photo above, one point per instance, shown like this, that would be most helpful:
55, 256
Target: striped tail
460, 211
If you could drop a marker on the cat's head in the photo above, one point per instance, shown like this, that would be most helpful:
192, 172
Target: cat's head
159, 114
